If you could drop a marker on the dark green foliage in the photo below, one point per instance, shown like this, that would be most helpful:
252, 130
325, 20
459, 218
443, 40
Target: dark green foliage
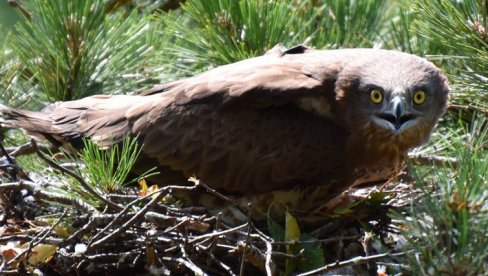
13, 90
104, 170
212, 33
403, 32
344, 23
72, 49
462, 27
447, 226
218, 32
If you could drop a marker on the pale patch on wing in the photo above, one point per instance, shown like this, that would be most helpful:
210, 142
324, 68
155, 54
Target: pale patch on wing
316, 105
369, 175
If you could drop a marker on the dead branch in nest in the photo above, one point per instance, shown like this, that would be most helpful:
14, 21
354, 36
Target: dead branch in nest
189, 222
27, 149
38, 192
248, 236
126, 225
353, 261
24, 237
35, 241
433, 160
474, 109
323, 241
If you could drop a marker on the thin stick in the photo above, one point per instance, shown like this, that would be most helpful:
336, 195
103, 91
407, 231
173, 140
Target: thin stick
209, 235
324, 241
441, 161
189, 265
40, 194
269, 251
210, 190
128, 223
26, 149
5, 153
215, 260
455, 107
246, 243
33, 243
356, 260
13, 174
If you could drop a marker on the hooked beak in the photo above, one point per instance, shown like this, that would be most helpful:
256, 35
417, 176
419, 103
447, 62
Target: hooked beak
396, 117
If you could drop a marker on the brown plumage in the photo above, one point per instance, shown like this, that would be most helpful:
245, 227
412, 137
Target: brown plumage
299, 117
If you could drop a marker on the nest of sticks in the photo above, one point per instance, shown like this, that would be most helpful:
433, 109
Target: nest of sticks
47, 232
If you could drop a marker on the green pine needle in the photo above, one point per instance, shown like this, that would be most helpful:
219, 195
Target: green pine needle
105, 170
447, 226
462, 28
72, 49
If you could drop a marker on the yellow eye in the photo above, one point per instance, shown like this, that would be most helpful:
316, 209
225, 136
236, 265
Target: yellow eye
419, 97
376, 96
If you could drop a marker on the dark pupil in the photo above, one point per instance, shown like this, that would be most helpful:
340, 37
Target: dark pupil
376, 95
418, 97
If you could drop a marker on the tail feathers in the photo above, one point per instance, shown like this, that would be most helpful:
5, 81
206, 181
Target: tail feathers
36, 124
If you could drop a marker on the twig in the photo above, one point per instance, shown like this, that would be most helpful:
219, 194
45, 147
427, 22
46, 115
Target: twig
355, 260
257, 258
33, 243
40, 194
128, 223
215, 240
187, 264
299, 256
216, 261
8, 205
111, 257
456, 107
213, 234
267, 264
12, 169
24, 237
75, 176
401, 266
366, 243
5, 153
183, 250
211, 191
106, 258
167, 221
142, 211
26, 149
246, 243
95, 220
322, 241
440, 161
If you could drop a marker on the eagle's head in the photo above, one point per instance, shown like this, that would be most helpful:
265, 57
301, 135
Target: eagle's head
397, 99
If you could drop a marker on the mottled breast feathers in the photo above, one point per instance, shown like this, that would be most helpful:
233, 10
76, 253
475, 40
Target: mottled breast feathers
289, 118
